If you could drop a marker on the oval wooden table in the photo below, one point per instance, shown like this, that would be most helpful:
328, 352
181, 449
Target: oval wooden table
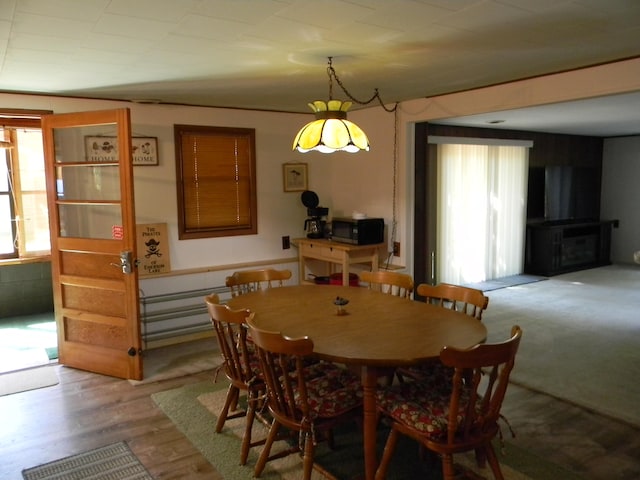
378, 331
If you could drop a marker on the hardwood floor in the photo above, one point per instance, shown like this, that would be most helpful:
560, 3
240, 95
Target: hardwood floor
594, 446
86, 411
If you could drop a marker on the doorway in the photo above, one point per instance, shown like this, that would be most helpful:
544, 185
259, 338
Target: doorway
27, 341
426, 198
28, 334
481, 196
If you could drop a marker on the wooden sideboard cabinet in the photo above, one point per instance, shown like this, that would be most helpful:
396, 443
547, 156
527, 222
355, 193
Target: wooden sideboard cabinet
334, 254
560, 247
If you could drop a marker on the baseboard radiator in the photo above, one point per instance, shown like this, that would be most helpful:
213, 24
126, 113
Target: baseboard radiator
177, 317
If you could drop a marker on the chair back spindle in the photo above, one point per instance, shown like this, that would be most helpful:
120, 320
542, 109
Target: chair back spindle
392, 283
246, 281
469, 301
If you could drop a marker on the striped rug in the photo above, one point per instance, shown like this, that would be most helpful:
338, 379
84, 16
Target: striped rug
111, 462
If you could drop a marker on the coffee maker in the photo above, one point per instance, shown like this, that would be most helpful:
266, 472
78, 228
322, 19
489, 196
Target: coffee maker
316, 223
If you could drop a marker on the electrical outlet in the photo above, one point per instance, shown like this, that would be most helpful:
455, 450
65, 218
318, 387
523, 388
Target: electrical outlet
286, 243
396, 249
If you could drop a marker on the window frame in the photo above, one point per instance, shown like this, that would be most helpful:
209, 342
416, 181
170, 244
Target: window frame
184, 136
10, 121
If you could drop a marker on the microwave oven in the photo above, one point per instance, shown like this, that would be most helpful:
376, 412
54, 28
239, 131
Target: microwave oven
362, 231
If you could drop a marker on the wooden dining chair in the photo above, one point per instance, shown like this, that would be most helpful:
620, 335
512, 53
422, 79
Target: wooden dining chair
392, 283
469, 301
462, 415
310, 400
246, 281
240, 366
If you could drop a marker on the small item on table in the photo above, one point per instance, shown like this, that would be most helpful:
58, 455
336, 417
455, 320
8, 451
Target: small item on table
340, 302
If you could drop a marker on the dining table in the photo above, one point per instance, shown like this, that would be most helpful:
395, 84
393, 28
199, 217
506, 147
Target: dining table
373, 332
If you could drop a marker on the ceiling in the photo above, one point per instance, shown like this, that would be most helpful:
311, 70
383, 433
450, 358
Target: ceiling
272, 54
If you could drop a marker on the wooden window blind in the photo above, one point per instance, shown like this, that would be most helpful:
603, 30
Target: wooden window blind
216, 181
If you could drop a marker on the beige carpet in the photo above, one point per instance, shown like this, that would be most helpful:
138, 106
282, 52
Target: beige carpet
581, 339
179, 360
28, 379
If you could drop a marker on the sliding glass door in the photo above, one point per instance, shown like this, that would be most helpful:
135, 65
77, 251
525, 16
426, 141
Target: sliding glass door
481, 213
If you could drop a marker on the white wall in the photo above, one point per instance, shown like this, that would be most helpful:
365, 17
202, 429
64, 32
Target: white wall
621, 195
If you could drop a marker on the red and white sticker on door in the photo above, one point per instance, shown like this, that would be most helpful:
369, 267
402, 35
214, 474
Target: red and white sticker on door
117, 232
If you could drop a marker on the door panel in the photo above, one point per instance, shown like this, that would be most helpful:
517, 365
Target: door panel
92, 217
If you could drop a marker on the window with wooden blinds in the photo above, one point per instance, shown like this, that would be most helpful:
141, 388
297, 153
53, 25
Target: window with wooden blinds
216, 181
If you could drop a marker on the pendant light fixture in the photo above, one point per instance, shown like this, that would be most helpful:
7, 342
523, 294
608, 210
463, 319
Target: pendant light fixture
331, 131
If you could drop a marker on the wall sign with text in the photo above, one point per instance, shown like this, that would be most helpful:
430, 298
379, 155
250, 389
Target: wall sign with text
105, 149
153, 248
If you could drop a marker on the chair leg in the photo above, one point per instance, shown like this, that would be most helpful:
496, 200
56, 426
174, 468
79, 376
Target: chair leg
307, 460
330, 439
448, 472
481, 457
234, 404
493, 461
246, 438
389, 448
266, 450
232, 393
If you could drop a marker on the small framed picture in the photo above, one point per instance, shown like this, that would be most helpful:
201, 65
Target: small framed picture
294, 177
144, 150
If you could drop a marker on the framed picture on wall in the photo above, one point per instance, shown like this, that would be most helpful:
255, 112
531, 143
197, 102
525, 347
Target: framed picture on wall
294, 177
105, 149
145, 150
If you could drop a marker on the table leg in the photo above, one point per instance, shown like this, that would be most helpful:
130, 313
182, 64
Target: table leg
345, 271
370, 424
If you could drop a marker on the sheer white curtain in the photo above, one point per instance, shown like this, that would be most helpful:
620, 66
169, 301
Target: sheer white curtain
482, 193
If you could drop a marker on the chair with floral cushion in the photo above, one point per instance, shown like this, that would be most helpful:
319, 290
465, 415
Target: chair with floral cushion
458, 416
306, 398
245, 281
469, 301
392, 283
241, 367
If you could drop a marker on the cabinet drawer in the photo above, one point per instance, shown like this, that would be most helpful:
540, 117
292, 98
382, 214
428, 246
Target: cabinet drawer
322, 252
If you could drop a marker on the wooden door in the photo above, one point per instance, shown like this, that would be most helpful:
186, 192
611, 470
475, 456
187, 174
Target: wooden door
92, 221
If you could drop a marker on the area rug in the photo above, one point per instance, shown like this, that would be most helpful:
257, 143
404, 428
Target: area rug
27, 379
111, 462
179, 360
581, 337
13, 359
504, 282
193, 410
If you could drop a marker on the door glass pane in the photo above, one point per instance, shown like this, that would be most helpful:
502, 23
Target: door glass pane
78, 182
88, 181
89, 221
